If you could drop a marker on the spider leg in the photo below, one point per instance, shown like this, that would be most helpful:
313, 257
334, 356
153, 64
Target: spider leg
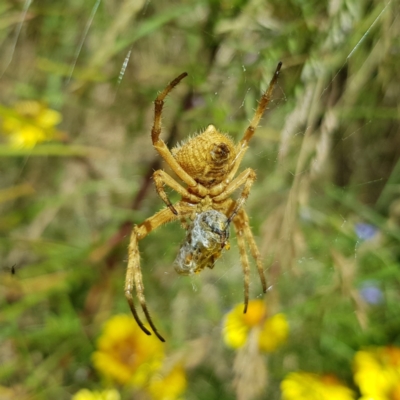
262, 105
246, 179
133, 277
243, 219
237, 223
243, 232
159, 104
161, 178
158, 143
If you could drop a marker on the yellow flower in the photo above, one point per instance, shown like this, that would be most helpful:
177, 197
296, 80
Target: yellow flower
168, 387
272, 331
377, 373
85, 394
307, 386
29, 123
125, 354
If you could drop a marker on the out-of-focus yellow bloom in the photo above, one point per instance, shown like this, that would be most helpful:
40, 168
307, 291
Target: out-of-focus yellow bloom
168, 387
377, 373
272, 331
29, 123
125, 354
85, 394
307, 386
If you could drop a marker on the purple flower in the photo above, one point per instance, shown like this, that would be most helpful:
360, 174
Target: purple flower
365, 231
371, 293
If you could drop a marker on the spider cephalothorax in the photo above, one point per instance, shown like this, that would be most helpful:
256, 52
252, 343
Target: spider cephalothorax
207, 164
207, 157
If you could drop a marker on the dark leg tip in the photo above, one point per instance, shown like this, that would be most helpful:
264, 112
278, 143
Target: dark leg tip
158, 335
172, 208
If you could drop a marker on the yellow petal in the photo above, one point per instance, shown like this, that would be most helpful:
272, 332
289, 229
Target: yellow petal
169, 387
377, 371
125, 354
235, 331
308, 386
256, 312
48, 118
11, 124
85, 394
274, 333
28, 136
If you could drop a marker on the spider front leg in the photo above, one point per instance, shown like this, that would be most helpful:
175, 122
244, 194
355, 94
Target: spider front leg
133, 271
160, 145
262, 105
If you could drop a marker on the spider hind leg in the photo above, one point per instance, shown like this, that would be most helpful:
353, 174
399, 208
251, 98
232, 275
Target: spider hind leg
243, 233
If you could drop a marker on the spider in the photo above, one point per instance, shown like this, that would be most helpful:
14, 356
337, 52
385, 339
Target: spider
207, 163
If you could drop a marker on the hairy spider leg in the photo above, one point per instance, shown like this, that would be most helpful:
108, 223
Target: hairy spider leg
242, 146
237, 223
243, 233
133, 277
262, 105
242, 219
160, 145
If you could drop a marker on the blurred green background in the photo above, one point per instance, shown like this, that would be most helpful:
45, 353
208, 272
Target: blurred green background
325, 208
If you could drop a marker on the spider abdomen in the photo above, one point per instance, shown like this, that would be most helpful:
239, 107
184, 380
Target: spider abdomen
207, 157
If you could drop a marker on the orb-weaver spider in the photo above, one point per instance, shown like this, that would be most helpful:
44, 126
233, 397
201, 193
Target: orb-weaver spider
207, 163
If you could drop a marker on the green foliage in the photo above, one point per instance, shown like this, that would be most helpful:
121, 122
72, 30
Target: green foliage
326, 156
